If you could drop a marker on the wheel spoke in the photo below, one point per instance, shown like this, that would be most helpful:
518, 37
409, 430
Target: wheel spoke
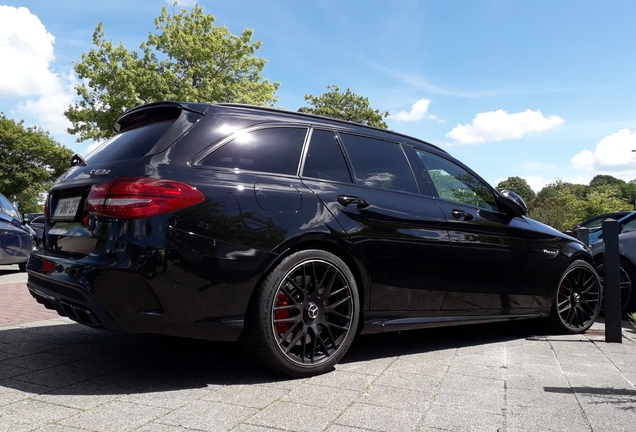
338, 303
289, 331
299, 335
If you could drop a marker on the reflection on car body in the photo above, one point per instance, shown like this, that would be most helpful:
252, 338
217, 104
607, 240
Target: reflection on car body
292, 233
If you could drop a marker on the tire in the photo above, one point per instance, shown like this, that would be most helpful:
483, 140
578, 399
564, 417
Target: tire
627, 283
22, 267
577, 302
305, 315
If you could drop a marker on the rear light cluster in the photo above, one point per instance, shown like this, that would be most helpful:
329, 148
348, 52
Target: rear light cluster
139, 197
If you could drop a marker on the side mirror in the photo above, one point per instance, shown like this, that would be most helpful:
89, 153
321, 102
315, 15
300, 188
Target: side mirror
511, 202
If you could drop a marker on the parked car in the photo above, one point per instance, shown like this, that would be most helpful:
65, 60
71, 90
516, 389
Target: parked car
594, 223
629, 219
28, 217
627, 252
16, 237
36, 222
291, 233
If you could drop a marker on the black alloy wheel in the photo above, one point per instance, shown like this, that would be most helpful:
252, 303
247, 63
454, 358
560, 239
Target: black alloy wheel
306, 314
578, 300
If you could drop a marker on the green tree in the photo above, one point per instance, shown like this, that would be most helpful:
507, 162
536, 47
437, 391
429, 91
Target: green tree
519, 186
189, 59
29, 162
550, 212
605, 180
346, 106
552, 190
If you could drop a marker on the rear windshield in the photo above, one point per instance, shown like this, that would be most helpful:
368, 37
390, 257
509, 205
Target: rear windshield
134, 143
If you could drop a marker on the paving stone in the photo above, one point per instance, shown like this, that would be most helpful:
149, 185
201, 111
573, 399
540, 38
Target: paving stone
253, 396
422, 383
208, 416
344, 380
115, 416
321, 396
450, 418
28, 415
294, 417
376, 418
397, 398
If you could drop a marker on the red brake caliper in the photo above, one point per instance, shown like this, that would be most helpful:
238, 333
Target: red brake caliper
282, 300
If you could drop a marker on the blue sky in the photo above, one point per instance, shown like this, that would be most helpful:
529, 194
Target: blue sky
542, 90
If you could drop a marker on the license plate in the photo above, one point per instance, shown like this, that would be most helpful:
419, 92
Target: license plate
67, 208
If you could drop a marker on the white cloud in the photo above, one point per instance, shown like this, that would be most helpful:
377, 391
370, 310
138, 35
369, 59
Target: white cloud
535, 182
612, 154
418, 111
499, 125
26, 50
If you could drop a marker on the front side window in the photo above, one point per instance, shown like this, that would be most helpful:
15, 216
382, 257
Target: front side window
454, 183
273, 150
379, 163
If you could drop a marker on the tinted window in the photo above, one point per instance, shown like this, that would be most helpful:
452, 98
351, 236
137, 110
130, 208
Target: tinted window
7, 208
629, 226
132, 144
379, 163
275, 150
324, 158
453, 183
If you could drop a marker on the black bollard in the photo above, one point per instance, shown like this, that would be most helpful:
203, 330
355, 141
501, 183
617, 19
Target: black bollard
583, 234
613, 329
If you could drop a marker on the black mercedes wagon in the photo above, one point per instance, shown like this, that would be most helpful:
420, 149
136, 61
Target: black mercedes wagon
292, 233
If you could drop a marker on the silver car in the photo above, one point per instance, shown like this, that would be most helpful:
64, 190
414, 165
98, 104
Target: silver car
627, 251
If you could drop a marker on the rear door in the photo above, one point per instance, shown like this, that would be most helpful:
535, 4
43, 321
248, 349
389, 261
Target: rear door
398, 235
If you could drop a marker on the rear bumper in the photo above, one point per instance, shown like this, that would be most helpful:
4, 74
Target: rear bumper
200, 290
69, 301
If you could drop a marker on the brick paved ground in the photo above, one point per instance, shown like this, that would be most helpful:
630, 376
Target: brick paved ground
16, 304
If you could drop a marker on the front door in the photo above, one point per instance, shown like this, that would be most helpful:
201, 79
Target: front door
492, 253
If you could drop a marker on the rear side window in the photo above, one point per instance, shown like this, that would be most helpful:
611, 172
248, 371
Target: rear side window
324, 158
134, 143
379, 163
273, 150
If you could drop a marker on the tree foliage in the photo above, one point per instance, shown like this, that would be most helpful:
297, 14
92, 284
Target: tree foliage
29, 162
519, 186
563, 205
345, 106
189, 59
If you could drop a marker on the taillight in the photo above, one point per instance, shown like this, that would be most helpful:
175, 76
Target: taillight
47, 205
132, 197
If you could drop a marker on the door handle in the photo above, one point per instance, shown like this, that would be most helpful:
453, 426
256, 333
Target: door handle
345, 200
460, 214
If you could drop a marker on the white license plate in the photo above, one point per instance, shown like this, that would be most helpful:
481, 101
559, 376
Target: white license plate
67, 208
